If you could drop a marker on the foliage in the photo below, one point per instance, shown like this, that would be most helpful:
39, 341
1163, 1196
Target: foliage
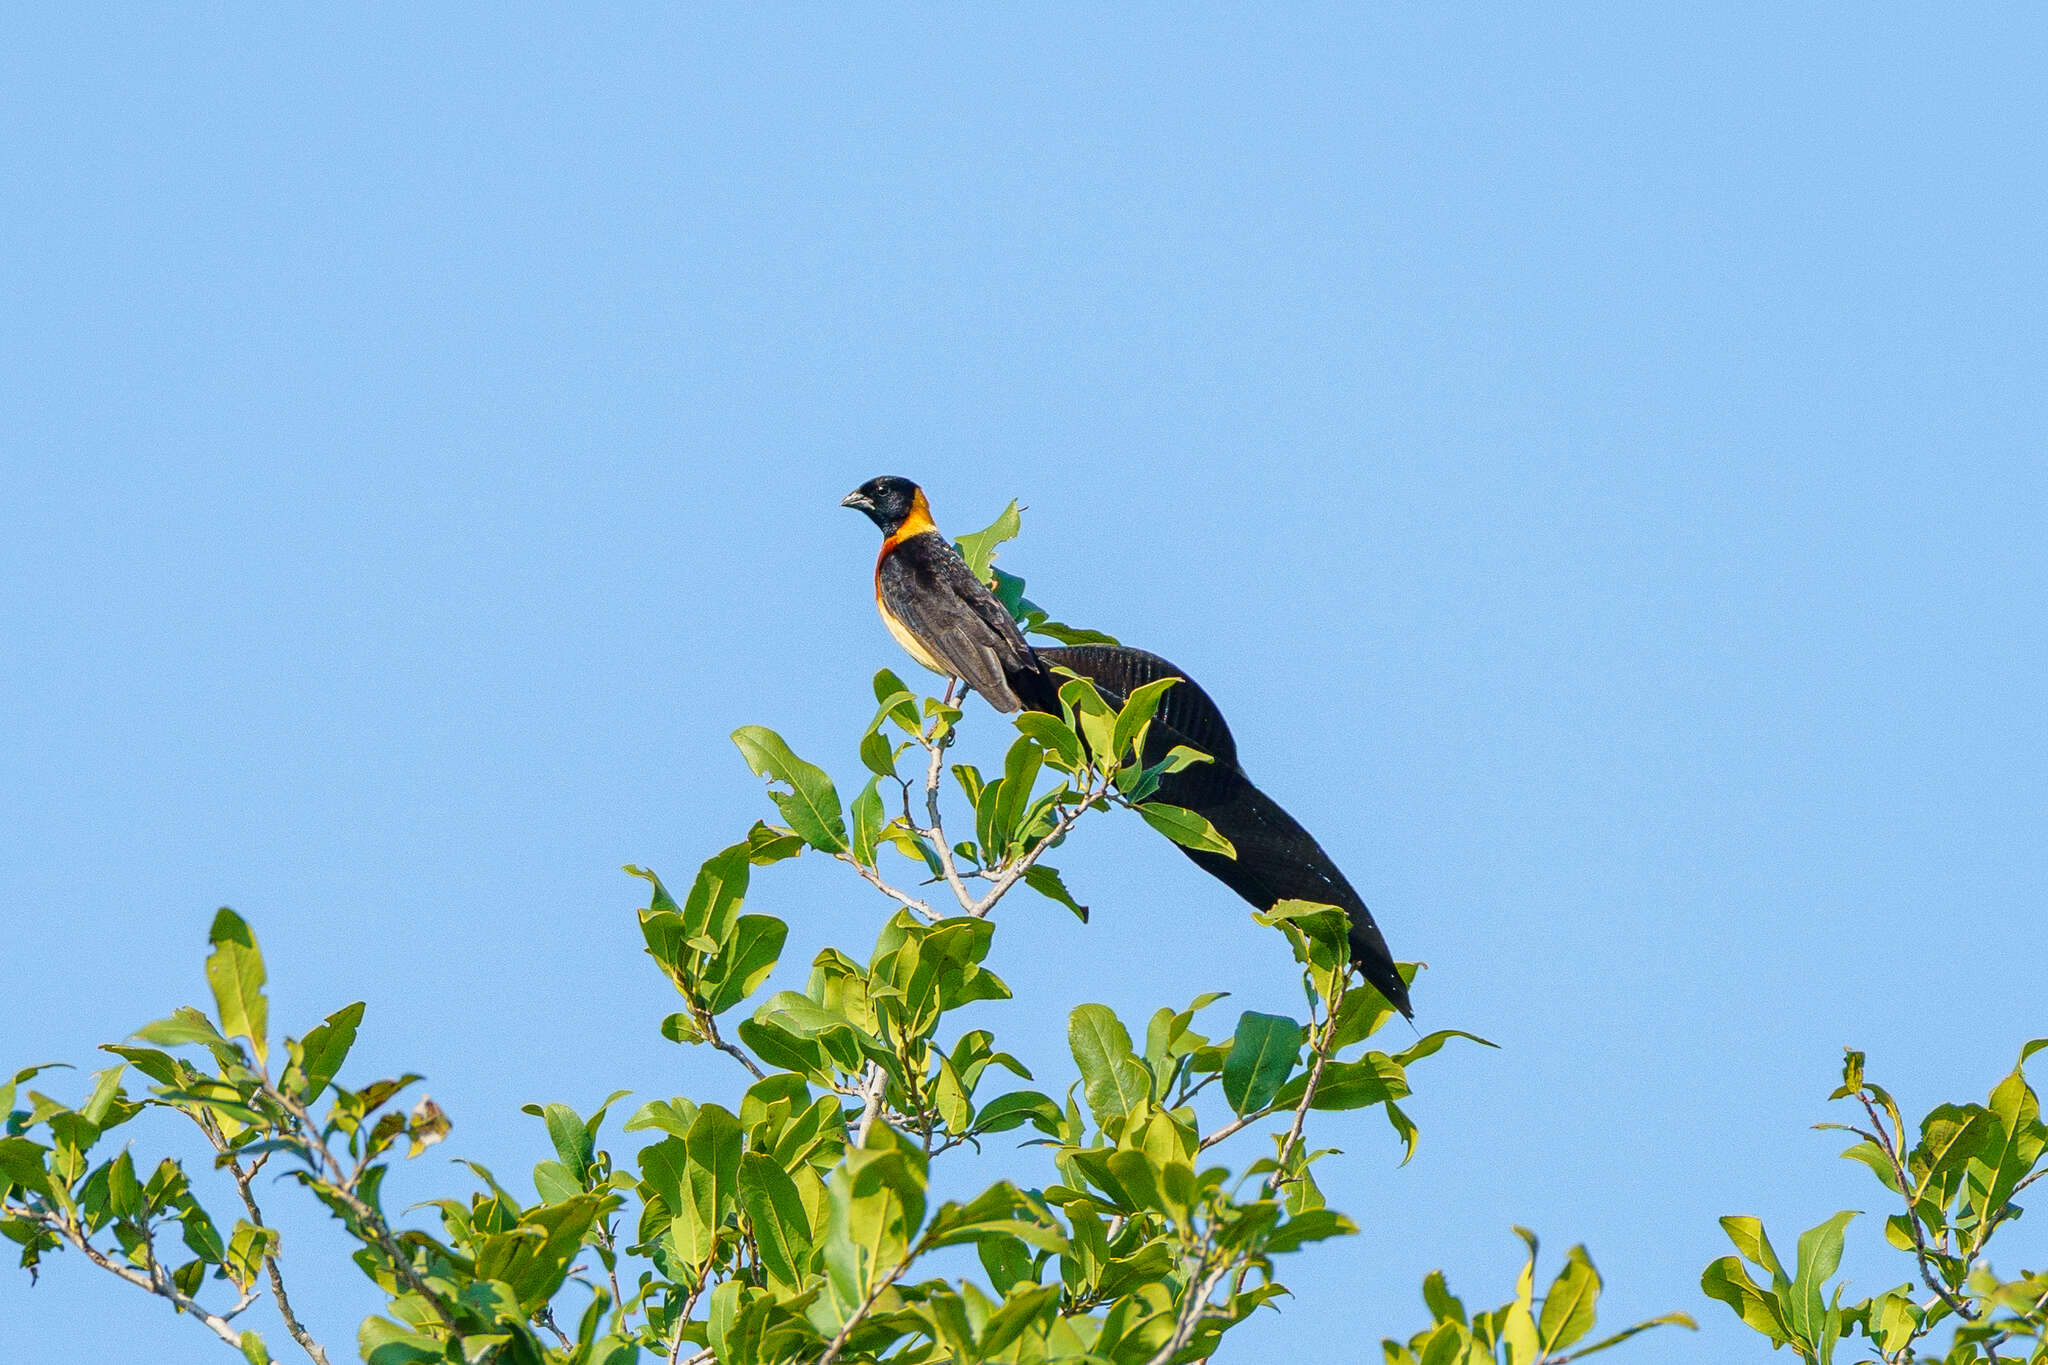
1523, 1331
793, 1217
1955, 1188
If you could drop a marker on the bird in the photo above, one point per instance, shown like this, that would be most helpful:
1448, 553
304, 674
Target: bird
953, 624
942, 615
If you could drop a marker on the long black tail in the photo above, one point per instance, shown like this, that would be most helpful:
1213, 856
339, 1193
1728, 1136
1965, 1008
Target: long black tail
1276, 858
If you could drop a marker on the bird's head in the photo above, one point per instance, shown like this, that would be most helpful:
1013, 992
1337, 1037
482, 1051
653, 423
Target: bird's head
890, 502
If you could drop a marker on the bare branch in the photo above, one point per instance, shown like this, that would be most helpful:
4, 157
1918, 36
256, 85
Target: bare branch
877, 1081
155, 1281
902, 898
1234, 1127
1008, 876
244, 1177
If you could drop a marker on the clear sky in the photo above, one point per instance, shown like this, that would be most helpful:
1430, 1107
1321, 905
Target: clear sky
1595, 455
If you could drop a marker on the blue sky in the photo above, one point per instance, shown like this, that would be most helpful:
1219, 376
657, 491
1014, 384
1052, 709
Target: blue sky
1595, 457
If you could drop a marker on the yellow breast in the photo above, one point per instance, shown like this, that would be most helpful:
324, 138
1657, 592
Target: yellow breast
910, 643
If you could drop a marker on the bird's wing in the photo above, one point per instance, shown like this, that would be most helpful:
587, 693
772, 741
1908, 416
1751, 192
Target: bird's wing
925, 585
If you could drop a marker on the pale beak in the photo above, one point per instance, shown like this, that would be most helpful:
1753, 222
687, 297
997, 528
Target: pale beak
858, 499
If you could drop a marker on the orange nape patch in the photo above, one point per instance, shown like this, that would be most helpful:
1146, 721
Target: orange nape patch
915, 524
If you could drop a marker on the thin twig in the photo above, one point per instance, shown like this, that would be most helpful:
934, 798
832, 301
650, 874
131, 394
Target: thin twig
243, 1179
373, 1221
1235, 1126
717, 1040
675, 1350
1890, 1150
609, 1243
936, 830
1009, 875
1323, 1048
902, 898
155, 1282
546, 1318
838, 1342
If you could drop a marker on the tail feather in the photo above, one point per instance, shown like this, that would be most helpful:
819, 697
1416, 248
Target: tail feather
1276, 858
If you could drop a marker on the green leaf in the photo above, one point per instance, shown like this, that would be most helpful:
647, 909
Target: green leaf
1443, 1305
8, 1089
1373, 1079
235, 971
21, 1165
782, 1228
811, 805
1113, 1079
1020, 774
1025, 1306
979, 547
1852, 1074
1055, 736
574, 1144
1434, 1042
745, 962
534, 1257
1312, 1226
383, 1342
897, 701
1136, 715
1048, 883
1262, 1054
1405, 1129
1665, 1320
1568, 1307
247, 1250
186, 1026
1873, 1156
710, 1181
768, 843
1726, 1280
1748, 1235
666, 1116
1186, 828
1005, 1112
1820, 1254
877, 754
868, 818
322, 1052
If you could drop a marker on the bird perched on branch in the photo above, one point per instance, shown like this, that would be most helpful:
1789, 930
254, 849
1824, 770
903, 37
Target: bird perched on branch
939, 611
951, 623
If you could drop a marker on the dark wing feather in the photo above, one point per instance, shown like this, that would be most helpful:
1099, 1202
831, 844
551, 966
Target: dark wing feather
1276, 858
927, 586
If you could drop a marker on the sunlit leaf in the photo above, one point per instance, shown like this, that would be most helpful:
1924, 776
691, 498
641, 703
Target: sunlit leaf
811, 805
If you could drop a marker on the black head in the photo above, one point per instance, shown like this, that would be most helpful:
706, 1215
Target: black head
889, 501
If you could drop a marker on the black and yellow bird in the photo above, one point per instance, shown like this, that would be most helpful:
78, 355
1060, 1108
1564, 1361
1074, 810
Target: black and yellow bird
951, 623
